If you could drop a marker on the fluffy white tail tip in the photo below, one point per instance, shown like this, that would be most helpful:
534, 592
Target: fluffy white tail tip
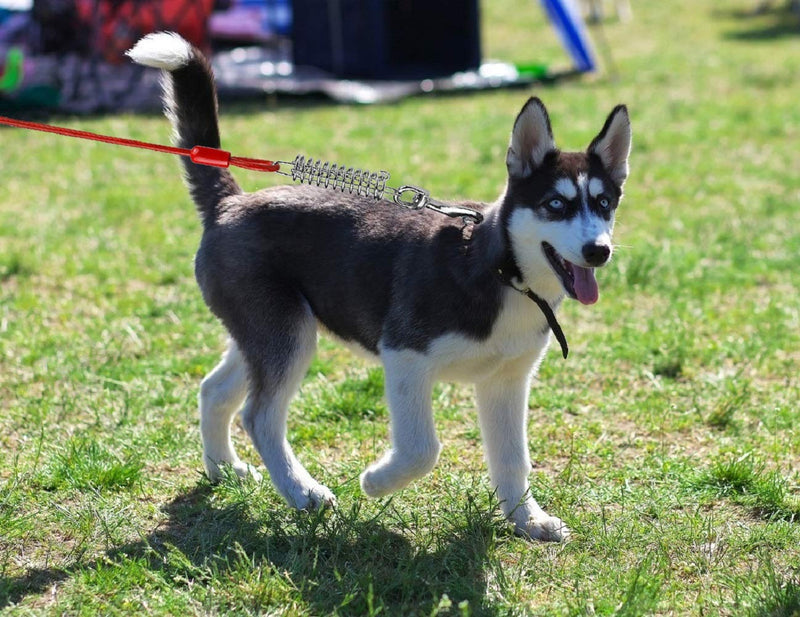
162, 50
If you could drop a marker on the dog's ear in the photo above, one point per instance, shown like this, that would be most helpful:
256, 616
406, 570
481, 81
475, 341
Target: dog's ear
531, 139
613, 144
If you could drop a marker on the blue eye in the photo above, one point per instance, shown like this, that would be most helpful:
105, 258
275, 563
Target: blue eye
555, 204
605, 204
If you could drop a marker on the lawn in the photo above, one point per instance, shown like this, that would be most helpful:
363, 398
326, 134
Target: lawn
668, 440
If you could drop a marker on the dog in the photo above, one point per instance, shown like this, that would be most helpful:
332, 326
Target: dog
430, 297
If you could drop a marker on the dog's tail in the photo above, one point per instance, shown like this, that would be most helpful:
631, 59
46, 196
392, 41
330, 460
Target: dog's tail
190, 103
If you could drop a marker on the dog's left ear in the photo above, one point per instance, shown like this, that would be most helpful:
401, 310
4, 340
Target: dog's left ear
613, 144
531, 139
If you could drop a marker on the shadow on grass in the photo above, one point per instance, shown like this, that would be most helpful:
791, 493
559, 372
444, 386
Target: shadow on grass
331, 562
778, 21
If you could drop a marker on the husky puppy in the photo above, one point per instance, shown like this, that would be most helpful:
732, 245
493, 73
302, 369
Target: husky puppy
426, 295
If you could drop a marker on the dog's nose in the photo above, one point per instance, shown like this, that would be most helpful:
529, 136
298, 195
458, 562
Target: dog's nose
596, 254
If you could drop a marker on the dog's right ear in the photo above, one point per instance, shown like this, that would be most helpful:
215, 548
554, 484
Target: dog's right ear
531, 140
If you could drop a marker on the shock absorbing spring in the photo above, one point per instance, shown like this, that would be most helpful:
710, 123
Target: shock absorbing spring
368, 184
339, 177
309, 171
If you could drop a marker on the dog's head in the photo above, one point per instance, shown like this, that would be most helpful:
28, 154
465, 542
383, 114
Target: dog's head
559, 206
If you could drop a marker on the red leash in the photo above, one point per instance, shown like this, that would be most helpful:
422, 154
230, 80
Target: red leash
199, 154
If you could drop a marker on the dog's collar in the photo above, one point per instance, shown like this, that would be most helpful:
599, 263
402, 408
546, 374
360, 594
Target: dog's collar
509, 273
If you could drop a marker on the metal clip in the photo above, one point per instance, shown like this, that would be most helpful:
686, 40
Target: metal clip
468, 215
418, 200
369, 184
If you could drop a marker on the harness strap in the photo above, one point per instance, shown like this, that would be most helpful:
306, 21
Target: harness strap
508, 279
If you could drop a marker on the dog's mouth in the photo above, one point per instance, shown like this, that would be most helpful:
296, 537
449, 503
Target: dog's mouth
578, 282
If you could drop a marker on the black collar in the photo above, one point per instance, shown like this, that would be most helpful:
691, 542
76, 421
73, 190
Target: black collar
507, 272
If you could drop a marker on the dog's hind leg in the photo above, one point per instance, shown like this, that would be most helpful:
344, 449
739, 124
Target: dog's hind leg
279, 350
503, 414
221, 395
415, 447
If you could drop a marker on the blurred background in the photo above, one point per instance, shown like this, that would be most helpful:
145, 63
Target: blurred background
69, 54
668, 440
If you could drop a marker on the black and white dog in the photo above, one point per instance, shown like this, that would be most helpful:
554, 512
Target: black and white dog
421, 292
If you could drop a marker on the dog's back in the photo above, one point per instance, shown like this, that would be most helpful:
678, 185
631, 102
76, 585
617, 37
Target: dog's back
353, 260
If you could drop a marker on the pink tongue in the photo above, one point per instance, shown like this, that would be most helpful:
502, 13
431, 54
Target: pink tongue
585, 285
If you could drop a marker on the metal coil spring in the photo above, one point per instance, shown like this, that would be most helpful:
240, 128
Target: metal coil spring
339, 177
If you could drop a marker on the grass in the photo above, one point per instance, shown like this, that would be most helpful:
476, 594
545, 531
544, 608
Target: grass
668, 441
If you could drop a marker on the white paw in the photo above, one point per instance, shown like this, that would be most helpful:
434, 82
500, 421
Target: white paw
216, 473
246, 472
545, 528
373, 483
395, 471
315, 497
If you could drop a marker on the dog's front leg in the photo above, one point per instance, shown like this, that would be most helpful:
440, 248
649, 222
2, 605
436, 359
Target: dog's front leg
415, 447
503, 416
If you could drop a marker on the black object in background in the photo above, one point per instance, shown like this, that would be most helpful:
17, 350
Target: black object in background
387, 39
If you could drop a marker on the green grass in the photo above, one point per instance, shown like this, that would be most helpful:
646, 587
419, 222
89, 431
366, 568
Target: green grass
668, 441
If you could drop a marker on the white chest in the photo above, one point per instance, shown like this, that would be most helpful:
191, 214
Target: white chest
520, 331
